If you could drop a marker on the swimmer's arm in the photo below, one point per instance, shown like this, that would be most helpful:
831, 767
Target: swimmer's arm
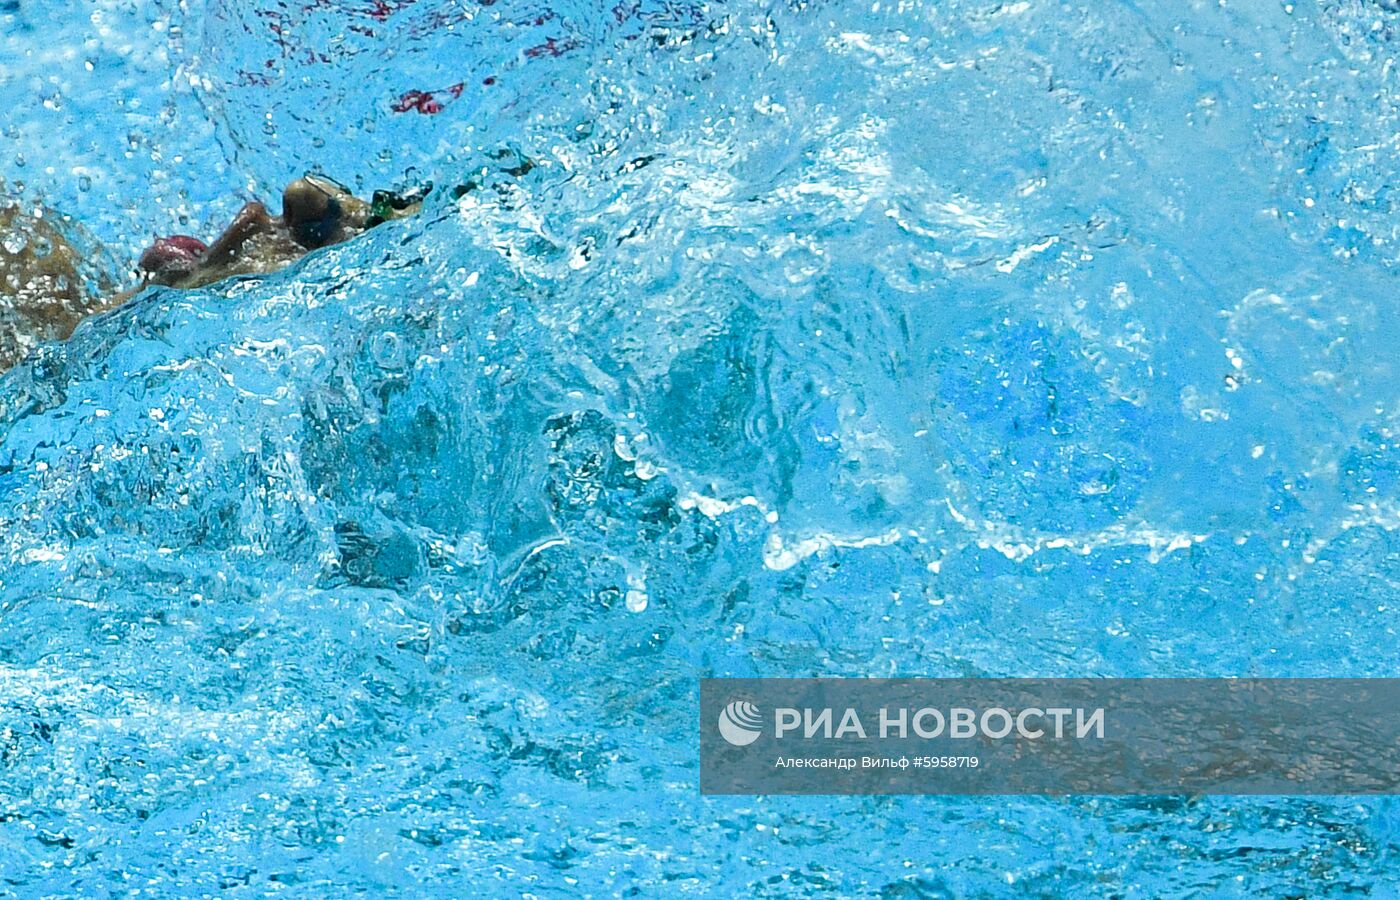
251, 220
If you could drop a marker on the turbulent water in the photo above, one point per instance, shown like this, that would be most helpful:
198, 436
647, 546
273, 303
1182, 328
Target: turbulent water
882, 338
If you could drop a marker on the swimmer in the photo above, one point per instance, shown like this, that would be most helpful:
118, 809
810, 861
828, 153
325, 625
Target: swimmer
316, 212
47, 286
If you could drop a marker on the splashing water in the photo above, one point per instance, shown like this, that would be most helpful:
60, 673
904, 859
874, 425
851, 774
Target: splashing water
828, 338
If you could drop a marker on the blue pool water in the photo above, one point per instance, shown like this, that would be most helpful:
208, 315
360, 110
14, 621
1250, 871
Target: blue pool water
813, 338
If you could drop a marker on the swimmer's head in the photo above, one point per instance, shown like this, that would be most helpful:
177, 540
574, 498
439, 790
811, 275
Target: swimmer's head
311, 207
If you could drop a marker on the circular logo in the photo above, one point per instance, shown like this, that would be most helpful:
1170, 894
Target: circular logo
740, 723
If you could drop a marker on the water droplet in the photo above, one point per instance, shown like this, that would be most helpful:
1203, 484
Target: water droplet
387, 350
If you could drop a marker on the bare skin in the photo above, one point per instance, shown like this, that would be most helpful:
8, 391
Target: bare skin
315, 213
43, 295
